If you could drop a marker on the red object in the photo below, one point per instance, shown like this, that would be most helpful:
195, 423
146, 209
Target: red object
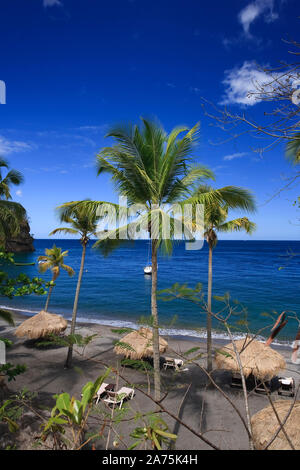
279, 324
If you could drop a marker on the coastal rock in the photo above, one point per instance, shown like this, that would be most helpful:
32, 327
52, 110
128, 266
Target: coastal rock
21, 243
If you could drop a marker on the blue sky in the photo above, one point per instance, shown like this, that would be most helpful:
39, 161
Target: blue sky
74, 67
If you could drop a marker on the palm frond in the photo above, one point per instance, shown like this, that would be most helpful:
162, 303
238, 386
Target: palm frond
293, 149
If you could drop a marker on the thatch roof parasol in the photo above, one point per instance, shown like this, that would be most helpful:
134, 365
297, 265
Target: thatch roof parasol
265, 425
41, 325
138, 344
256, 358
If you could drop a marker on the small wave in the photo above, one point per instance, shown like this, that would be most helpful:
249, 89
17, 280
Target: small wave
182, 332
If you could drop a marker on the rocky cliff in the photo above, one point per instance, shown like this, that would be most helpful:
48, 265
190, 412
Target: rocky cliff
23, 242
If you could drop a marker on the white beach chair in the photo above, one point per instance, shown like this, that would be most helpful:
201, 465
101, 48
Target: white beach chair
101, 391
287, 386
169, 362
173, 363
117, 398
178, 364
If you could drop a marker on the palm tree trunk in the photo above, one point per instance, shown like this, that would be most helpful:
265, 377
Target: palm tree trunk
48, 298
74, 314
155, 325
208, 320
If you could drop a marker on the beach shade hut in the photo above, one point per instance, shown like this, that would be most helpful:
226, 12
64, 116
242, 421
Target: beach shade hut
265, 425
41, 325
256, 358
139, 344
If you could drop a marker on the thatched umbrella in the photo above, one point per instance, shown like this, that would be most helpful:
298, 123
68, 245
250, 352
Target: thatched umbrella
139, 344
256, 358
42, 325
265, 425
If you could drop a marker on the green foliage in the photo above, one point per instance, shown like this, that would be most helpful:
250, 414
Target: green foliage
121, 331
12, 409
191, 351
11, 371
223, 353
66, 341
155, 431
181, 291
8, 343
7, 316
71, 413
137, 364
5, 416
121, 344
6, 258
21, 285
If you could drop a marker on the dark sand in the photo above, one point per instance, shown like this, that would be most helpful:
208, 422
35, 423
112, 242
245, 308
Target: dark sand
204, 410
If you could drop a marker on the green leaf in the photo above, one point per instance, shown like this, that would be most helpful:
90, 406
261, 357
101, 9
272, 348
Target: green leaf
63, 402
165, 434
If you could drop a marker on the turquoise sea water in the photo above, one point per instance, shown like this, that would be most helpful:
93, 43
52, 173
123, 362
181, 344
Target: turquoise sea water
116, 292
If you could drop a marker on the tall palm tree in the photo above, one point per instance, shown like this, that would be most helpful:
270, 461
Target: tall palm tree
84, 225
11, 213
152, 168
215, 220
53, 260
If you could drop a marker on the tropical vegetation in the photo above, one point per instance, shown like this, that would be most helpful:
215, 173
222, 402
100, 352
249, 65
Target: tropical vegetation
53, 260
83, 225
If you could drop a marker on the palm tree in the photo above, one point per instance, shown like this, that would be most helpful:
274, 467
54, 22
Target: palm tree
84, 225
215, 220
11, 213
53, 260
152, 168
293, 149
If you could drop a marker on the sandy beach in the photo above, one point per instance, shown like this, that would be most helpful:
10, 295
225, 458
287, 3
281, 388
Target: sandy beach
205, 411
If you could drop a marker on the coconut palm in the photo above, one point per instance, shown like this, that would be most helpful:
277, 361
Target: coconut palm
53, 260
84, 225
152, 168
13, 177
215, 220
11, 213
293, 149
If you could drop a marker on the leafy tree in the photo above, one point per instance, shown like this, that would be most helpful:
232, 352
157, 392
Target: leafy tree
11, 213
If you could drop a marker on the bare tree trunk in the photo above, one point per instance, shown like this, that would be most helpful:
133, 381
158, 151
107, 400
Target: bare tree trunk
209, 315
74, 314
156, 354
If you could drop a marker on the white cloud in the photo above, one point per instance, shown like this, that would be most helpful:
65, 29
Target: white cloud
51, 3
235, 155
241, 82
19, 193
254, 10
12, 146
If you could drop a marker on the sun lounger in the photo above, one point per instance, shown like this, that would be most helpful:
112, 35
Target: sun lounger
173, 363
236, 380
287, 386
117, 398
104, 389
262, 387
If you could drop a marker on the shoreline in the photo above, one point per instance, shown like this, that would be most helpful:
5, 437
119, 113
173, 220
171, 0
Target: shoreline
172, 334
46, 376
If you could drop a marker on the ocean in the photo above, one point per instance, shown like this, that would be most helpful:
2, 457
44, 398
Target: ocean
262, 275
